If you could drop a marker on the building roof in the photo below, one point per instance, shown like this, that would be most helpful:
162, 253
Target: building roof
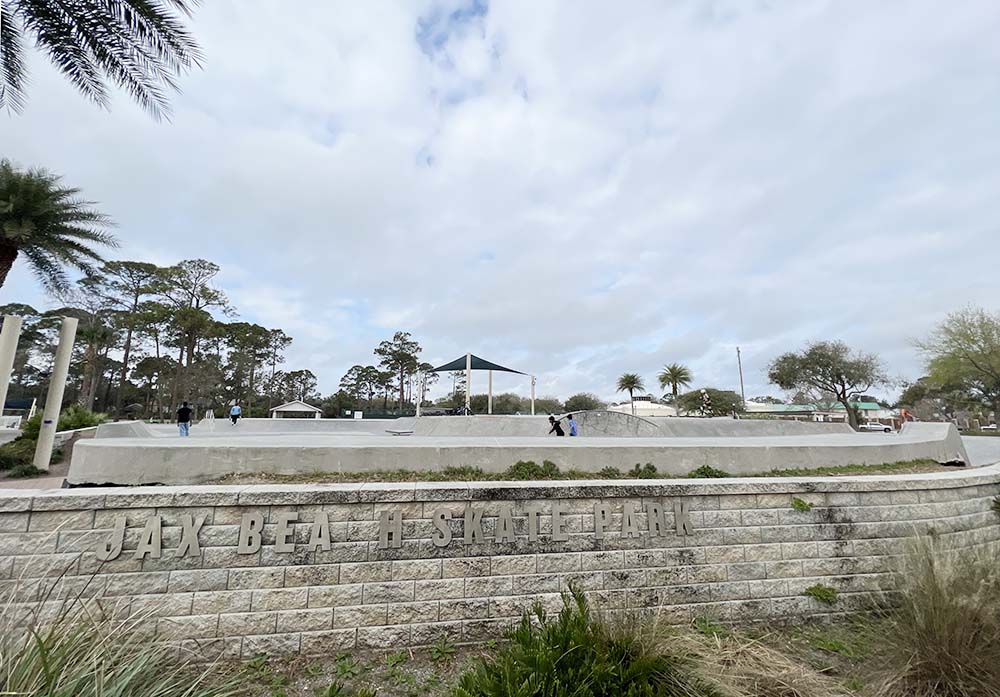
778, 408
296, 405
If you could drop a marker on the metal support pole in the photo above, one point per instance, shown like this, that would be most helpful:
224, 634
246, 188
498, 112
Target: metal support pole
532, 395
739, 362
489, 398
8, 347
53, 401
420, 390
468, 383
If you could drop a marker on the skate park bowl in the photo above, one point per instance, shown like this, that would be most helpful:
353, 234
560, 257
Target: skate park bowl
135, 453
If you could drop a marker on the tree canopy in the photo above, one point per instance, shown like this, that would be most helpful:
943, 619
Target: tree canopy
723, 402
829, 367
963, 356
48, 224
676, 376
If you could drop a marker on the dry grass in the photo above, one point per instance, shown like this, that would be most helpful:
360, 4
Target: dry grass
945, 626
742, 666
52, 647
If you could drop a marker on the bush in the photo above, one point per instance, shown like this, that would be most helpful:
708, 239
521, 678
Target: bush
578, 654
17, 453
647, 471
73, 417
706, 472
944, 631
528, 470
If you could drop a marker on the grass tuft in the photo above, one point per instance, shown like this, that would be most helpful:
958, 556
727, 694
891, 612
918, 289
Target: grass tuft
945, 626
800, 505
578, 653
76, 654
707, 472
823, 593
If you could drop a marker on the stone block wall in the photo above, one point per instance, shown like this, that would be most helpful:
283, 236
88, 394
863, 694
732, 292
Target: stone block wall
314, 569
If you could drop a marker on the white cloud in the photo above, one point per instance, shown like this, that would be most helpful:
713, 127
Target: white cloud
569, 189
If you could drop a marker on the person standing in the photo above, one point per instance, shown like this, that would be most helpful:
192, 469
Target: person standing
555, 427
572, 425
235, 413
184, 419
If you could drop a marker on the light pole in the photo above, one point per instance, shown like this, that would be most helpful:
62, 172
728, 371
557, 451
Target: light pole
739, 362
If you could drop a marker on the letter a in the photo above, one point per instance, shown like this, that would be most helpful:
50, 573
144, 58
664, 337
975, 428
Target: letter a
319, 535
149, 543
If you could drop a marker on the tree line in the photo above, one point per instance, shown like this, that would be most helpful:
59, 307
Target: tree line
151, 337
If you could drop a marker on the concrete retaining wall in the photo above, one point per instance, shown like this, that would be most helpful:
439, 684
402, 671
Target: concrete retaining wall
396, 565
131, 461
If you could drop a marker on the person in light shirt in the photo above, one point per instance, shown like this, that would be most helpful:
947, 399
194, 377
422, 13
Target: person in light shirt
572, 425
235, 413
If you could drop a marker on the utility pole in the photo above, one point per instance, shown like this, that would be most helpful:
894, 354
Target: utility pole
739, 362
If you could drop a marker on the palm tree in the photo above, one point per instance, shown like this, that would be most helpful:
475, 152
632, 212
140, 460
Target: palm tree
141, 46
630, 382
677, 376
49, 225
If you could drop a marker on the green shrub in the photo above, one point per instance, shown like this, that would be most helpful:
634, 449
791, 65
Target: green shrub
73, 417
944, 627
528, 470
17, 453
647, 471
576, 653
24, 470
610, 473
707, 472
823, 593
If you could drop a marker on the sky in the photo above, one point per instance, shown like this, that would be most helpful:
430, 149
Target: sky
572, 189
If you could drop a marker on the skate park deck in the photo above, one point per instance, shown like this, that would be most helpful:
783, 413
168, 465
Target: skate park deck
131, 453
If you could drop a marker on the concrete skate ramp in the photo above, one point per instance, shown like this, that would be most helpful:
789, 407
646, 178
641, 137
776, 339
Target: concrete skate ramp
199, 459
600, 423
723, 427
262, 427
128, 429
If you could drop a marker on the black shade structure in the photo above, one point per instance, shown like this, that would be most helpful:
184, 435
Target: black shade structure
468, 363
473, 362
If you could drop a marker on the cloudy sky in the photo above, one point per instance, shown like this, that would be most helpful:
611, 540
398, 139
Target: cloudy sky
572, 189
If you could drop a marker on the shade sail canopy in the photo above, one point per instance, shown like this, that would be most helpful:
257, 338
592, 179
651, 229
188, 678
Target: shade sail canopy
477, 364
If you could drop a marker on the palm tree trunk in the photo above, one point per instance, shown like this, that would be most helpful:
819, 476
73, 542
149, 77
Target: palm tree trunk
631, 401
8, 254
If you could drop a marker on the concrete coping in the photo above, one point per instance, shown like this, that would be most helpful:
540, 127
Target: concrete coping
12, 500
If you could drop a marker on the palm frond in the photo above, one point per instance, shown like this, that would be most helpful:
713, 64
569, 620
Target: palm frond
55, 33
140, 45
12, 72
47, 270
50, 224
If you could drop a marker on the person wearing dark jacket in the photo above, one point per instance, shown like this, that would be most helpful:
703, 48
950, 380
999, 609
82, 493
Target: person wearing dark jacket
556, 428
184, 419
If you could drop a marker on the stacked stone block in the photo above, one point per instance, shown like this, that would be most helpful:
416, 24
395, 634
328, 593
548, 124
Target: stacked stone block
750, 554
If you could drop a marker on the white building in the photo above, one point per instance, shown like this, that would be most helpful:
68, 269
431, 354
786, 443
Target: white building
644, 406
296, 409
